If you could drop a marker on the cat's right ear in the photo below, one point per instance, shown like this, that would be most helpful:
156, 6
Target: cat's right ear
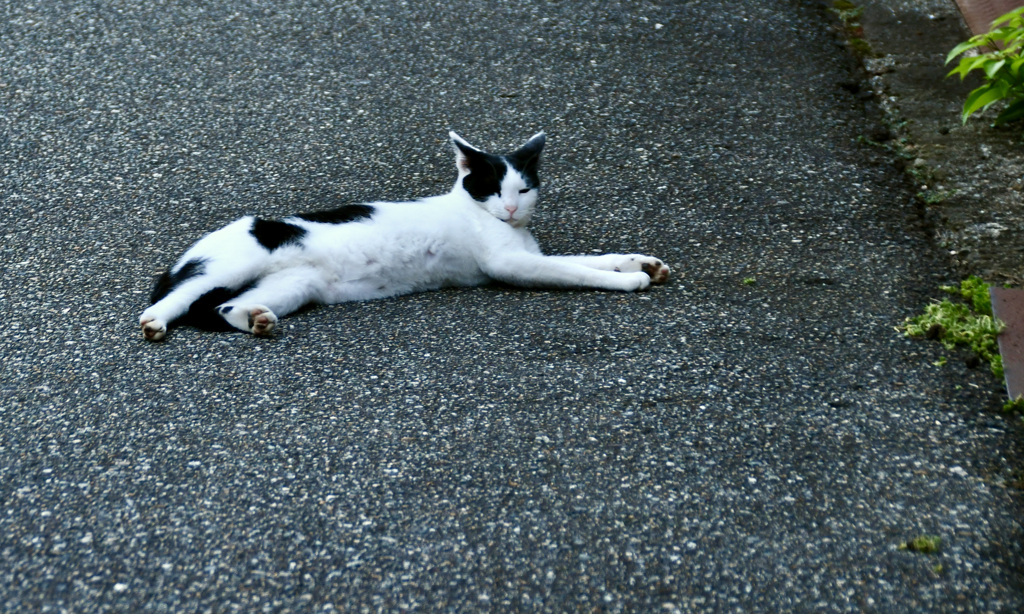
464, 152
527, 157
533, 147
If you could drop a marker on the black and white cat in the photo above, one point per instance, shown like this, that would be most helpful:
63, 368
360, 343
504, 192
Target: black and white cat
247, 274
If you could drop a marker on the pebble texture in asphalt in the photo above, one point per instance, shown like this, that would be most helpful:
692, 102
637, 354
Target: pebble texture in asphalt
754, 436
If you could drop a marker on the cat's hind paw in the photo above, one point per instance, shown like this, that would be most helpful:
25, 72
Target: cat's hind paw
255, 319
153, 329
261, 320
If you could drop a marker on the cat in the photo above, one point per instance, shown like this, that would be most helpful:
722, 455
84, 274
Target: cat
252, 271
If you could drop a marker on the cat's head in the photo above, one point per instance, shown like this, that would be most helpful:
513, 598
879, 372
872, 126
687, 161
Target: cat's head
504, 186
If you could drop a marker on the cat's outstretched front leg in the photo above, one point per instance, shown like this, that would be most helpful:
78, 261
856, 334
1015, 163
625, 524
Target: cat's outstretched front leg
609, 272
657, 270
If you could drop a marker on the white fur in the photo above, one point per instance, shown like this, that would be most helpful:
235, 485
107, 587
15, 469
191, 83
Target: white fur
441, 241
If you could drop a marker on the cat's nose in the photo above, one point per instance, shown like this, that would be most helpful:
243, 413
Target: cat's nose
511, 208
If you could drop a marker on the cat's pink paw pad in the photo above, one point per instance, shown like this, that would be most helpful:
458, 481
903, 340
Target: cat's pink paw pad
262, 321
657, 270
153, 329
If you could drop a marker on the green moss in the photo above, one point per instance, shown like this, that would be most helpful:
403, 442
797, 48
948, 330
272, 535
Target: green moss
849, 15
860, 47
925, 544
1014, 405
848, 12
975, 291
968, 324
934, 197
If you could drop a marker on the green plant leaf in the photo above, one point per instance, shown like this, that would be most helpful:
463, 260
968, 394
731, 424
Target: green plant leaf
1014, 18
967, 65
1015, 66
1002, 34
1012, 48
1002, 64
993, 68
961, 70
980, 98
975, 41
1011, 113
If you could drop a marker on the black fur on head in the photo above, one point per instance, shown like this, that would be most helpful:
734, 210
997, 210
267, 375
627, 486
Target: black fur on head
484, 171
526, 159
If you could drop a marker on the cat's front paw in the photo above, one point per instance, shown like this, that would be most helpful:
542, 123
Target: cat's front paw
636, 282
656, 270
153, 329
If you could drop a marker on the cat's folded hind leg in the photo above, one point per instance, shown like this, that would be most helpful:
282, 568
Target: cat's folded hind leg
156, 319
256, 310
190, 302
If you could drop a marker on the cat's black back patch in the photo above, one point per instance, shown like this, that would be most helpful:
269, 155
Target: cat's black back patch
341, 215
168, 281
485, 175
272, 234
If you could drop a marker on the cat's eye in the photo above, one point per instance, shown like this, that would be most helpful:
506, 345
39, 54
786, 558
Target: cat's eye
524, 190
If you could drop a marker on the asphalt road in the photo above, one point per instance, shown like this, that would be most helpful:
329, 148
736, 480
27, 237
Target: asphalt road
754, 436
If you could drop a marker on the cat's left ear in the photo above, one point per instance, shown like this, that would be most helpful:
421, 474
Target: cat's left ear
529, 154
464, 152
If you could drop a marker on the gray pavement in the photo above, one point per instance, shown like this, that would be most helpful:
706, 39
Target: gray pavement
711, 445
